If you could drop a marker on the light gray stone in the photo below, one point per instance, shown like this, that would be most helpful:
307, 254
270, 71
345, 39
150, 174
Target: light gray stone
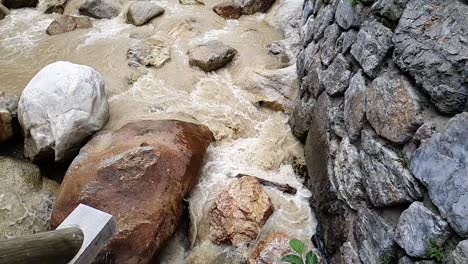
460, 254
250, 7
389, 9
431, 45
347, 175
336, 116
60, 108
211, 55
151, 52
307, 34
374, 237
441, 164
346, 255
329, 47
141, 12
418, 226
100, 8
393, 107
386, 178
355, 106
344, 14
322, 21
335, 79
347, 39
373, 42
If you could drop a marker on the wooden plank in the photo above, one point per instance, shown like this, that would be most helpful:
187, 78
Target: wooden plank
98, 228
286, 188
54, 247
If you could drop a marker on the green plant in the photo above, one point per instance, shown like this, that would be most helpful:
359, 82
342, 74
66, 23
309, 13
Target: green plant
299, 247
435, 251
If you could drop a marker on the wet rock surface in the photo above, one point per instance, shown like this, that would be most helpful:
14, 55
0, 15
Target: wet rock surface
141, 12
65, 24
230, 10
60, 108
139, 174
151, 52
211, 55
100, 9
335, 79
250, 7
271, 249
239, 212
355, 106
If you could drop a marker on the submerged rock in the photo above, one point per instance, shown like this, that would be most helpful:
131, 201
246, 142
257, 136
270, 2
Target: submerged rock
100, 9
250, 7
271, 249
430, 45
152, 52
141, 12
60, 108
230, 10
65, 24
139, 174
26, 199
8, 111
211, 55
239, 212
12, 4
417, 227
441, 164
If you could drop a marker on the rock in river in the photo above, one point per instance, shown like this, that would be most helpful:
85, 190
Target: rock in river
100, 8
8, 110
65, 24
139, 174
211, 55
239, 212
152, 52
250, 7
141, 12
228, 10
60, 108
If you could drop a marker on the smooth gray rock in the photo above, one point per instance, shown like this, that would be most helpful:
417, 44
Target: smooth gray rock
386, 179
100, 8
141, 12
393, 109
373, 42
347, 175
355, 106
329, 46
441, 164
60, 108
374, 237
211, 55
8, 111
417, 226
250, 7
151, 52
431, 45
336, 78
12, 4
323, 19
344, 14
460, 254
389, 9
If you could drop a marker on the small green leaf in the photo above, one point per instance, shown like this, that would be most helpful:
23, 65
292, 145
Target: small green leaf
293, 259
297, 245
311, 258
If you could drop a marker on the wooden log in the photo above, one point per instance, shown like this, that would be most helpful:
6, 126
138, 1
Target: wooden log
54, 247
286, 188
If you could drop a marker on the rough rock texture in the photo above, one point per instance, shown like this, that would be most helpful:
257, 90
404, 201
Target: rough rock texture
230, 10
441, 164
151, 52
344, 15
239, 212
330, 46
355, 106
347, 255
250, 7
386, 179
141, 12
373, 42
374, 237
8, 111
418, 225
192, 2
271, 249
100, 8
211, 55
335, 79
26, 198
430, 44
19, 3
394, 111
65, 24
60, 108
139, 174
460, 254
301, 117
3, 11
389, 9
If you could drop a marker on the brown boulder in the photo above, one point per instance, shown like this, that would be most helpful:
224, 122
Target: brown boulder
239, 212
139, 174
228, 10
271, 249
65, 24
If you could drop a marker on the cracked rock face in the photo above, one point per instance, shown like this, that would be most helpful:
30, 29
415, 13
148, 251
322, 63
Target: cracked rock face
355, 106
8, 110
431, 45
211, 55
393, 109
347, 255
141, 12
386, 179
441, 164
239, 212
60, 108
418, 225
344, 14
329, 47
335, 79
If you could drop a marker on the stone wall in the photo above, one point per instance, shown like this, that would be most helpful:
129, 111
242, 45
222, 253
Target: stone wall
382, 112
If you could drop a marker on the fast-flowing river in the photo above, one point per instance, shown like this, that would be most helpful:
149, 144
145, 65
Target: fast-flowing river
249, 139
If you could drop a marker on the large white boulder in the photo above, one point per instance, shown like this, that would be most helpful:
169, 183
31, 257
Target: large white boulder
60, 108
